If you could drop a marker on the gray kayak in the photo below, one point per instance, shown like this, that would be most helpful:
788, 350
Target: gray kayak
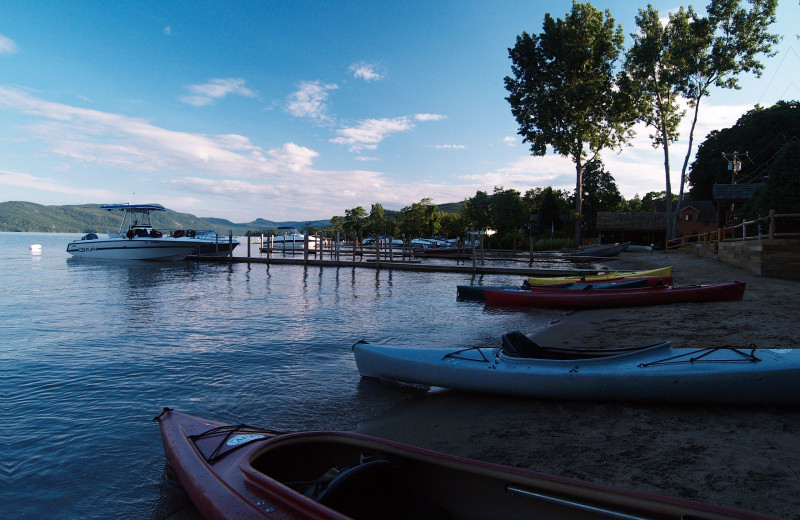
658, 373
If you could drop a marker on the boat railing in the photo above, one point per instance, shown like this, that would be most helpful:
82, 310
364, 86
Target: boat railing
763, 228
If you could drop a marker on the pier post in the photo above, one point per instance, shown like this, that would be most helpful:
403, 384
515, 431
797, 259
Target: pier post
772, 224
305, 247
230, 243
248, 243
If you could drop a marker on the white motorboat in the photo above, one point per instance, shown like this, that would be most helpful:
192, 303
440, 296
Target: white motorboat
292, 240
138, 240
208, 243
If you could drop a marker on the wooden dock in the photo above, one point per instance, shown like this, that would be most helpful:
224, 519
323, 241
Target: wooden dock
400, 266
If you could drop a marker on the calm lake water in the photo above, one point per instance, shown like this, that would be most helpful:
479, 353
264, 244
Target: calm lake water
90, 351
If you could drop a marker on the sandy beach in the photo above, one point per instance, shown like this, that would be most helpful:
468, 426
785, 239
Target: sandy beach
742, 457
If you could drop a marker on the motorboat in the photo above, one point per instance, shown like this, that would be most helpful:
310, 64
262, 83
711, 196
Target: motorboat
138, 240
207, 243
291, 240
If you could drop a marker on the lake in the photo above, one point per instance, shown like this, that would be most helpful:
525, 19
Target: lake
91, 350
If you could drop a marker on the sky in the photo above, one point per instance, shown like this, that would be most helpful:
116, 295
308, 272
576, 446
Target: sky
300, 110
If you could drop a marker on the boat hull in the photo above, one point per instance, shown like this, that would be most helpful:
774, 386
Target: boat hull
475, 292
157, 249
543, 298
641, 375
250, 480
662, 271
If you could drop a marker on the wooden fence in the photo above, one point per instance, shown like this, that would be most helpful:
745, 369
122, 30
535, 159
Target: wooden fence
759, 229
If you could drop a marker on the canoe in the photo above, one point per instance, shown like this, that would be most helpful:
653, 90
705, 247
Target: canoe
662, 271
475, 292
243, 472
544, 298
602, 250
658, 374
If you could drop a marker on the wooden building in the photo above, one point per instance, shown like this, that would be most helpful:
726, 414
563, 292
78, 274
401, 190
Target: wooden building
638, 227
694, 217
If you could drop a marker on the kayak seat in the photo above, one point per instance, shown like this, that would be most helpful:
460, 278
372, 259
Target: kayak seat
517, 344
379, 489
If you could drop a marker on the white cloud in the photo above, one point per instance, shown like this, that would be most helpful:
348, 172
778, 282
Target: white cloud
365, 71
214, 89
310, 100
429, 117
103, 138
450, 147
168, 30
510, 141
7, 45
370, 132
32, 182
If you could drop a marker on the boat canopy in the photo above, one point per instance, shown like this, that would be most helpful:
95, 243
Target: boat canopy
139, 208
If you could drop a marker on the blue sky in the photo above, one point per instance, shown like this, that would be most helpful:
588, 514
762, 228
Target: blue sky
297, 110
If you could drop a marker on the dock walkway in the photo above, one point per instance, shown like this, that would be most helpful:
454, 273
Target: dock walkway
401, 266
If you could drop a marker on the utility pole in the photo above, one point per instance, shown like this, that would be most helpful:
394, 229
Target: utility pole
735, 165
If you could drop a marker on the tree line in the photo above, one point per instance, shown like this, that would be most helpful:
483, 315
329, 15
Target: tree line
576, 91
516, 217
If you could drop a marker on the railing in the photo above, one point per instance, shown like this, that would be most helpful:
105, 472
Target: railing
758, 229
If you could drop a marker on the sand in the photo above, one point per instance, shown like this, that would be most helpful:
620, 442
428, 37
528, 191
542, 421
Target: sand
742, 457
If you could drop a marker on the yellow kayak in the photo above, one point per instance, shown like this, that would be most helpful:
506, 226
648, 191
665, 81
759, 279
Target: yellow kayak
663, 271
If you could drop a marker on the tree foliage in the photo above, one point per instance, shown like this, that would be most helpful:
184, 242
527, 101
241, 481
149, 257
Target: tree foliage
564, 93
782, 189
657, 69
724, 45
761, 132
601, 194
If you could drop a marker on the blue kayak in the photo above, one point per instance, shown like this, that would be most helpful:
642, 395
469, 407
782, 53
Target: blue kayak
659, 373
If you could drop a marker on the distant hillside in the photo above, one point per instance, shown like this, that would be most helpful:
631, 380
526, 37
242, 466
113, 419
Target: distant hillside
30, 217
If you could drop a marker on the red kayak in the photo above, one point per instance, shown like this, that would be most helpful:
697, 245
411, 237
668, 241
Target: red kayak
241, 472
542, 297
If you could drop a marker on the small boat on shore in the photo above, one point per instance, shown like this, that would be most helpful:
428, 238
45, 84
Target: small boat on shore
543, 297
475, 292
656, 374
242, 472
601, 250
610, 275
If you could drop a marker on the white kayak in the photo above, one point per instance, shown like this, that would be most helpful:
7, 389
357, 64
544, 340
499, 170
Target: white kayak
658, 373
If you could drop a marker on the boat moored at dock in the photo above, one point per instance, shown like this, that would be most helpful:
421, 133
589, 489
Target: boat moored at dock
138, 240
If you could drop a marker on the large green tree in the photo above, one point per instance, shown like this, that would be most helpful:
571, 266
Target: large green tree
723, 45
476, 211
564, 92
657, 69
507, 212
420, 219
354, 220
782, 189
761, 131
602, 194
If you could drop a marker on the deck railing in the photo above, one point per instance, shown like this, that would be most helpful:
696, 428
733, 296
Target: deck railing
758, 229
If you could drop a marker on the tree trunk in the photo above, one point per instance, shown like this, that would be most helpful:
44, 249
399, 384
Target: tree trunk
578, 200
686, 163
668, 220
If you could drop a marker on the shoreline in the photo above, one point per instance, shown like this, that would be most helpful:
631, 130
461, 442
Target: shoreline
740, 457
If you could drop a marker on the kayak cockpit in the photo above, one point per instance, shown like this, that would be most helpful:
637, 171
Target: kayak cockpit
350, 478
518, 345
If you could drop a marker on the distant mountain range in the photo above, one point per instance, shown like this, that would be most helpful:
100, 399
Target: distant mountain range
85, 218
